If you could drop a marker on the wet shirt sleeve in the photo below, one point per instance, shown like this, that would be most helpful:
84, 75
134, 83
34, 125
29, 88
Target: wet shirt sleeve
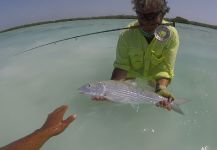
122, 58
166, 68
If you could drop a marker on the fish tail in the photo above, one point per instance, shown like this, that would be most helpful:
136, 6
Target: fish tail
176, 105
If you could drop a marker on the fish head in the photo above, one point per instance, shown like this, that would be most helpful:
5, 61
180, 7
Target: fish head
93, 89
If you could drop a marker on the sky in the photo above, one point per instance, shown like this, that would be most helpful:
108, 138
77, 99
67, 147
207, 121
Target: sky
19, 12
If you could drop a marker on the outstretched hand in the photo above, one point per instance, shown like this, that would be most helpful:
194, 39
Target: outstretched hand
55, 123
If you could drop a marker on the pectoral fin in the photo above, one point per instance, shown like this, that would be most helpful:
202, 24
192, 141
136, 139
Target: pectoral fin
135, 107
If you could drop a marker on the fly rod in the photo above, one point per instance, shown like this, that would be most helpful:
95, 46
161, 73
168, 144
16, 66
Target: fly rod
83, 35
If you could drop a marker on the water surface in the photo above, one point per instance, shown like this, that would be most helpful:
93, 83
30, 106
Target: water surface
34, 83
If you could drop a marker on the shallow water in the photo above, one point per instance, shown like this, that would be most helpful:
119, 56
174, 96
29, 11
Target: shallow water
34, 83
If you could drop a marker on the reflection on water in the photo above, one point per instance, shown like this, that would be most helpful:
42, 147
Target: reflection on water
204, 148
33, 84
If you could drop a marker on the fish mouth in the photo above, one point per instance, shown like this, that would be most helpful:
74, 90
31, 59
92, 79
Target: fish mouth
80, 91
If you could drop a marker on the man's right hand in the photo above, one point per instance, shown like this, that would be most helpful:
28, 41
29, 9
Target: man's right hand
98, 98
117, 74
165, 104
55, 123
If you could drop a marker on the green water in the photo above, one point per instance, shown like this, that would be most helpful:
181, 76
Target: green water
36, 82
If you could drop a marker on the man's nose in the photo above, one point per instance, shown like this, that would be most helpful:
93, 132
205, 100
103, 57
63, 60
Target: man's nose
157, 20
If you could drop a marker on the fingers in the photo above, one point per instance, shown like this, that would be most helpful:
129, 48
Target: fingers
55, 121
69, 120
98, 98
60, 111
61, 108
164, 104
171, 99
168, 107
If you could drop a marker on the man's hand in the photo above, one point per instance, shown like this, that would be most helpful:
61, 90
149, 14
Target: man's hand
55, 123
161, 89
117, 74
165, 104
165, 93
98, 98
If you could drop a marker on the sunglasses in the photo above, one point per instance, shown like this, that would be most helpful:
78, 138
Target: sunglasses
150, 16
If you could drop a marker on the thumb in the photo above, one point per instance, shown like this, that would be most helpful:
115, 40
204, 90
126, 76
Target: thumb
69, 120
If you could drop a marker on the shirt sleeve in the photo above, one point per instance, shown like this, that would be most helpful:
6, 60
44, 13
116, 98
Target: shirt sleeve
122, 58
170, 52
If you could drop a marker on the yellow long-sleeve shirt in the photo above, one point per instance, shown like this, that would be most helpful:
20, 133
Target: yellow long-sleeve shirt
141, 59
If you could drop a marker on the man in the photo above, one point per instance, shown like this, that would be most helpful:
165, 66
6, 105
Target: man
140, 55
53, 126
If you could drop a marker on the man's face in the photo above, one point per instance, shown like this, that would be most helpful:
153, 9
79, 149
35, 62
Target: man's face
150, 17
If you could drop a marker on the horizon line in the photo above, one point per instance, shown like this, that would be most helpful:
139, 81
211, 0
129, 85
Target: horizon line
102, 17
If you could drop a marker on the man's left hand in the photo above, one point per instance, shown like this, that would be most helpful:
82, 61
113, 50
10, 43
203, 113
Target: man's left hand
166, 103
